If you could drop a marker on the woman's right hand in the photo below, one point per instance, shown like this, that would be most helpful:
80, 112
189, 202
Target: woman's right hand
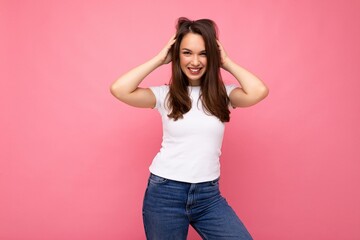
165, 54
126, 87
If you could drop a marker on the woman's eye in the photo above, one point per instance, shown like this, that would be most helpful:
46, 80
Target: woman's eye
204, 54
186, 53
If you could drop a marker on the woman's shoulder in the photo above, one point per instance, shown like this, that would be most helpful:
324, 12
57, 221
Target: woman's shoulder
160, 90
229, 88
164, 86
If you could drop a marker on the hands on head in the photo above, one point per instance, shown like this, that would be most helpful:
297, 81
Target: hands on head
223, 55
165, 54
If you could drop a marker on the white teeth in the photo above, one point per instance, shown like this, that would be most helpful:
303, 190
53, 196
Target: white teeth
194, 69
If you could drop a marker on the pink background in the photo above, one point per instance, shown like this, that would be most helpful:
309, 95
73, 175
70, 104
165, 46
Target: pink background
74, 160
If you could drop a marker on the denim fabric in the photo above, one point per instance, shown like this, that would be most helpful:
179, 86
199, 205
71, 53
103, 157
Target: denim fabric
170, 207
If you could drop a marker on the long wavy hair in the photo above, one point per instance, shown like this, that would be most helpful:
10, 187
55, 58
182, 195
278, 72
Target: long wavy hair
212, 90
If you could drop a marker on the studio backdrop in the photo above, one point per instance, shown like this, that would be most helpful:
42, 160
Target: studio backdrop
74, 160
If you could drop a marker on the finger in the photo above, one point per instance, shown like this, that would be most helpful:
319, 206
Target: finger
172, 39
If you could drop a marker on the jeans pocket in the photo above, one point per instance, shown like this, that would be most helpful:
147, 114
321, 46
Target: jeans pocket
157, 179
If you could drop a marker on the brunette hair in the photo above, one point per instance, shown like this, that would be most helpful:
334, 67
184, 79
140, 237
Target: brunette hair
213, 93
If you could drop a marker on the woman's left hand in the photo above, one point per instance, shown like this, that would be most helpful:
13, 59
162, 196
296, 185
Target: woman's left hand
223, 55
252, 90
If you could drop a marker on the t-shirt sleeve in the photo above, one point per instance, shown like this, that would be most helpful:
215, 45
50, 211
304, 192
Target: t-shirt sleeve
229, 88
160, 95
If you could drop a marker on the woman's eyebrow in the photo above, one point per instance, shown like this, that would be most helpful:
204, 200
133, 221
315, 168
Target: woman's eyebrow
191, 51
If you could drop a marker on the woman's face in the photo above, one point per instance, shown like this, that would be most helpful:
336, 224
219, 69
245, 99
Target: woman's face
193, 57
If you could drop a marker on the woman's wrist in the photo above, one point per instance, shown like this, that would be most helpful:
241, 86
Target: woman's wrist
157, 61
227, 64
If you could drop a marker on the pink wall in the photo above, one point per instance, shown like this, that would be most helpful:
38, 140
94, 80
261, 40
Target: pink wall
74, 161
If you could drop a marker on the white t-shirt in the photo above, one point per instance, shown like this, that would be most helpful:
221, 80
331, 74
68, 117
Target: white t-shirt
191, 146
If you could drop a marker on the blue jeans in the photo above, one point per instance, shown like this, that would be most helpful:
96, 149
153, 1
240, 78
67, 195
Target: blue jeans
170, 207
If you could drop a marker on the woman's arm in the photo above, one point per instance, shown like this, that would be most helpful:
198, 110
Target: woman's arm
126, 87
252, 90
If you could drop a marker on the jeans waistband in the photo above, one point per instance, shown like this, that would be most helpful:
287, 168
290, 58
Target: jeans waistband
157, 178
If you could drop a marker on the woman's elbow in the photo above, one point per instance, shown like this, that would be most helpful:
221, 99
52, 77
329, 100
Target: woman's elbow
264, 91
115, 91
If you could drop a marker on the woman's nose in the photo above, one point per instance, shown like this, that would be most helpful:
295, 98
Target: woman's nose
195, 60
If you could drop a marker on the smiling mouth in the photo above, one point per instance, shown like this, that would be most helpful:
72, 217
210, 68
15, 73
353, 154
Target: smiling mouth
194, 70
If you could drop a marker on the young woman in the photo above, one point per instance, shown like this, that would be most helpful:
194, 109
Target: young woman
183, 187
